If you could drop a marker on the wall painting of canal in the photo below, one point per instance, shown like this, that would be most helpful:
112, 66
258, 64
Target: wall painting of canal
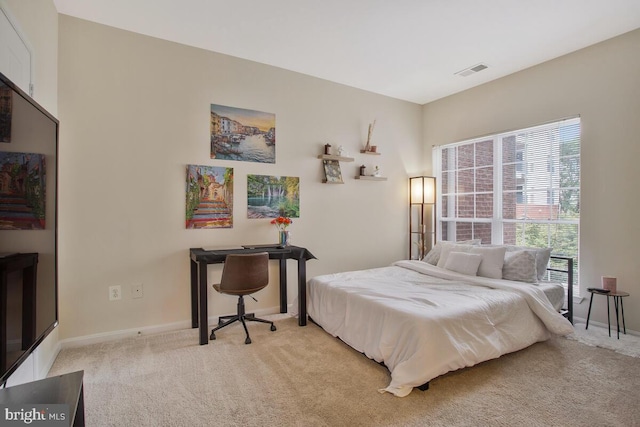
22, 191
209, 199
244, 135
273, 196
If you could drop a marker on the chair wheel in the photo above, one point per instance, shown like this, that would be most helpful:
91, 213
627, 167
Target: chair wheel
273, 327
212, 336
247, 341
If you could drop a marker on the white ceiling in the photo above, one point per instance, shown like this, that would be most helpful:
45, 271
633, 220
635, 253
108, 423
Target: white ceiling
405, 49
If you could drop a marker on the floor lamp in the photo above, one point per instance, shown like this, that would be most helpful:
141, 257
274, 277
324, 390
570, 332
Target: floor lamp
422, 216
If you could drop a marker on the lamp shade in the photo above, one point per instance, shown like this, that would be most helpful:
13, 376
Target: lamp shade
422, 189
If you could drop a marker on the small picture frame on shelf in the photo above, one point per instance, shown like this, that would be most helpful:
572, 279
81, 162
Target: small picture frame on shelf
332, 172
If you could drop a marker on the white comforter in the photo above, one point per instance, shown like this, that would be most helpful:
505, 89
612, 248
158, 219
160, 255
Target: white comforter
422, 321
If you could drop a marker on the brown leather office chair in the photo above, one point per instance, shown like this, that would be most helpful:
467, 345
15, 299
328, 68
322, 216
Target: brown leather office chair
243, 274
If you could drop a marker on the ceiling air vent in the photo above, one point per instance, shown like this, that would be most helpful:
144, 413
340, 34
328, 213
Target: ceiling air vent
471, 70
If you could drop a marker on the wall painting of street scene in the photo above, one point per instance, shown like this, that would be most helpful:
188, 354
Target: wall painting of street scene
273, 196
209, 199
244, 135
22, 191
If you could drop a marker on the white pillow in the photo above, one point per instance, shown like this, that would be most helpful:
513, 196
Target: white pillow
492, 261
433, 256
447, 248
464, 263
520, 266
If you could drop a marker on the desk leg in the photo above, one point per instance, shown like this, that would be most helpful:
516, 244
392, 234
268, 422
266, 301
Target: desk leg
283, 285
615, 304
609, 316
3, 317
194, 294
29, 303
622, 310
78, 420
589, 312
302, 292
202, 296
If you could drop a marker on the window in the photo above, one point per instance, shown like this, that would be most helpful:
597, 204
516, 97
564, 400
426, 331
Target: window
519, 188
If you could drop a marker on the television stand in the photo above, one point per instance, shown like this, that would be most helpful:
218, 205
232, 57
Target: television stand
64, 389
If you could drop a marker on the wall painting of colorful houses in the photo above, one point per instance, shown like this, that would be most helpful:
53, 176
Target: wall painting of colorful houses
273, 196
244, 135
22, 191
209, 198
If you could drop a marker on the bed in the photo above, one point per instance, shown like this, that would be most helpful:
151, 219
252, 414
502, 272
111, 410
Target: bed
421, 320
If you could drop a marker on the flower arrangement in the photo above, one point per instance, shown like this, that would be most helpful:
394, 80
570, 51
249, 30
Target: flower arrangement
281, 222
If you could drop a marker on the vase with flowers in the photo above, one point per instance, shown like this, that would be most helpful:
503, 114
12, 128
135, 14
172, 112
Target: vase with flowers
281, 223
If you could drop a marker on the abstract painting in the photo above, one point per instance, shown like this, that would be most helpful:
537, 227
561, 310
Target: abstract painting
244, 135
209, 197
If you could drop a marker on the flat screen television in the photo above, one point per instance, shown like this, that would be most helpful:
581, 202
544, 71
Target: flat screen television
28, 226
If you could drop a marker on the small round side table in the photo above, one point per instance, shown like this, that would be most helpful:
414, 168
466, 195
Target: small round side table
617, 302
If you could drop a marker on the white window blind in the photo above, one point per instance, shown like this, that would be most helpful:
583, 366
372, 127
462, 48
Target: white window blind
520, 187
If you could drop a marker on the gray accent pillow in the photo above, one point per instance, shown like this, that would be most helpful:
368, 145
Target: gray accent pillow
542, 258
520, 266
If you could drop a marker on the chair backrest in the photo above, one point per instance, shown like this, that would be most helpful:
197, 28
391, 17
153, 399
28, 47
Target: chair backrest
245, 274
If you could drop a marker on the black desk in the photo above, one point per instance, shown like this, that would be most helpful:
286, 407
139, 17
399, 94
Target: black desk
200, 258
61, 390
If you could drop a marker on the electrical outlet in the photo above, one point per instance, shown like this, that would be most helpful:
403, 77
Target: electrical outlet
115, 293
136, 290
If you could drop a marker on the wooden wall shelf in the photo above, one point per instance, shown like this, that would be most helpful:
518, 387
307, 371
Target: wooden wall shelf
371, 178
333, 157
370, 152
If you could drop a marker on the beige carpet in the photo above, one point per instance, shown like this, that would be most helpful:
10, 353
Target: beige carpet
304, 377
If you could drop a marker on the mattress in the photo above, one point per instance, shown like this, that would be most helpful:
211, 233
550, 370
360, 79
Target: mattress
555, 292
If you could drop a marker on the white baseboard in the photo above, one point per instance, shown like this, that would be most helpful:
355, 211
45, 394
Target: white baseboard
146, 330
47, 353
46, 367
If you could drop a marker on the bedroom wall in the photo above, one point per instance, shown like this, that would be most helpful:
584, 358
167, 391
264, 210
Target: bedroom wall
135, 111
37, 22
600, 83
